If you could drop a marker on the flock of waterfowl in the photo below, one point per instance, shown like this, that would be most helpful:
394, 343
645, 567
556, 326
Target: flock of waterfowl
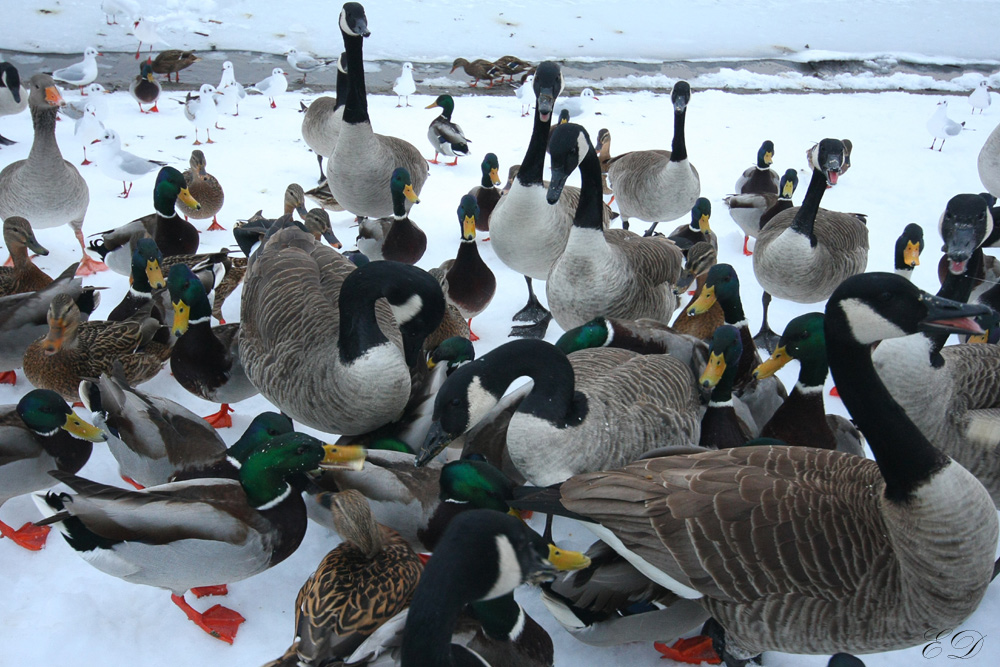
722, 502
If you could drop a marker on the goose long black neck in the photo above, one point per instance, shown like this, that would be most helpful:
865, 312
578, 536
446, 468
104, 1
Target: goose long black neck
343, 84
356, 107
553, 397
359, 330
805, 218
678, 149
904, 456
957, 288
533, 163
588, 211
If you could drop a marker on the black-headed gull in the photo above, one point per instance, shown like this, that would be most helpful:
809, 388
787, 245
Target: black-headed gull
231, 91
526, 94
980, 97
941, 127
305, 63
88, 128
81, 73
576, 105
95, 93
201, 110
272, 86
112, 8
145, 31
404, 86
119, 164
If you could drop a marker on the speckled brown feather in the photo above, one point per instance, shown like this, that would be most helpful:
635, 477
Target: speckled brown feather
204, 187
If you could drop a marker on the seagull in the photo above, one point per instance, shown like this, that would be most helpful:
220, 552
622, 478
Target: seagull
145, 31
88, 129
272, 86
112, 8
230, 91
980, 97
941, 127
81, 73
305, 63
576, 105
526, 94
201, 110
121, 165
404, 86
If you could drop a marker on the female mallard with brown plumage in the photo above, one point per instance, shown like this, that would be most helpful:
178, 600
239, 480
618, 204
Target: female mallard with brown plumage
206, 189
477, 69
24, 276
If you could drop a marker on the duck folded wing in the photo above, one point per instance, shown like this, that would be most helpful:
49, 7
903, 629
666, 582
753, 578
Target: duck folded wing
655, 260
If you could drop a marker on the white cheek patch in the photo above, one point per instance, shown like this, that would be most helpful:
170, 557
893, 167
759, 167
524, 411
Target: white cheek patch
989, 222
343, 23
582, 147
407, 310
509, 575
480, 402
866, 325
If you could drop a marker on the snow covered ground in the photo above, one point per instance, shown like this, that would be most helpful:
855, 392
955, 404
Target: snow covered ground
59, 610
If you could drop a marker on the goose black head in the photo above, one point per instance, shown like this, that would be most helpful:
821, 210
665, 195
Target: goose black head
548, 85
418, 304
964, 225
829, 158
568, 145
680, 95
11, 79
353, 20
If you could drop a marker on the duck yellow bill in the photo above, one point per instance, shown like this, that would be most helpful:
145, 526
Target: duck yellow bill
150, 78
768, 158
714, 369
81, 429
704, 301
410, 194
788, 190
778, 359
911, 256
567, 560
343, 457
188, 200
154, 274
468, 227
703, 225
434, 104
979, 338
182, 313
495, 177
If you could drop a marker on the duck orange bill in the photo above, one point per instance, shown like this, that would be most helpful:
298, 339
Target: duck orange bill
704, 301
154, 274
81, 429
911, 256
567, 560
494, 177
343, 457
778, 359
468, 227
55, 338
53, 97
188, 200
714, 369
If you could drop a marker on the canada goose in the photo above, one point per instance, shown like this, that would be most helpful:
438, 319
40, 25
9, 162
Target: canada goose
988, 163
13, 96
692, 524
657, 186
848, 147
803, 253
593, 409
346, 345
204, 187
363, 162
613, 273
44, 188
24, 276
966, 226
322, 120
445, 135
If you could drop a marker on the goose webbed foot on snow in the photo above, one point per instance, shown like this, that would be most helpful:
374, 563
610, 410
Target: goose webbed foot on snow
717, 634
649, 232
766, 339
536, 330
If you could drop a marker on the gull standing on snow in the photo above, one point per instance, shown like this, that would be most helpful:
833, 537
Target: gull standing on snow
231, 91
145, 31
980, 97
526, 94
305, 63
88, 129
272, 86
95, 93
121, 165
576, 105
201, 110
81, 73
941, 127
404, 86
112, 8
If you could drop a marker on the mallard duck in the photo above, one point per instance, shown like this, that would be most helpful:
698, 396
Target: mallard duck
39, 434
23, 317
802, 419
322, 120
585, 407
172, 61
362, 368
988, 163
701, 257
753, 210
477, 69
363, 161
365, 581
628, 276
487, 193
145, 89
720, 426
909, 245
321, 195
205, 360
13, 96
173, 236
695, 523
204, 188
446, 137
398, 238
24, 276
81, 73
698, 230
657, 186
44, 188
804, 252
511, 66
147, 275
75, 350
471, 283
759, 178
762, 396
200, 532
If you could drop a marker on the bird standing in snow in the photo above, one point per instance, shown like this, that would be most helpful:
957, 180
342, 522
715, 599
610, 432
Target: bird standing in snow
88, 129
145, 31
13, 95
200, 109
576, 105
526, 94
980, 97
112, 8
445, 136
231, 91
145, 89
121, 165
272, 86
941, 127
305, 63
404, 86
81, 73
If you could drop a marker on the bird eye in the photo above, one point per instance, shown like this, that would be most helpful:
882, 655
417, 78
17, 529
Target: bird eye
456, 402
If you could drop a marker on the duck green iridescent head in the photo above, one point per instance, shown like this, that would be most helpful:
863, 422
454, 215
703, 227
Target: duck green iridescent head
146, 72
147, 261
803, 339
765, 155
446, 103
722, 285
264, 427
723, 355
171, 186
402, 187
491, 170
468, 212
478, 483
45, 412
789, 181
455, 351
700, 214
595, 333
188, 297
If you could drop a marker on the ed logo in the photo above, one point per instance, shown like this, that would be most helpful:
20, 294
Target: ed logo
964, 644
